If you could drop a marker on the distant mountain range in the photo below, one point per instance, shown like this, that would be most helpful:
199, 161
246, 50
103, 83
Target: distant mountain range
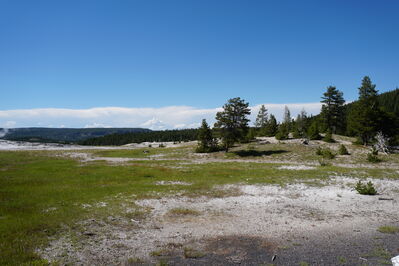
62, 135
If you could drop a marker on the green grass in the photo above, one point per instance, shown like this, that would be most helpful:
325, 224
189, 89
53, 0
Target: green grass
388, 229
183, 212
41, 194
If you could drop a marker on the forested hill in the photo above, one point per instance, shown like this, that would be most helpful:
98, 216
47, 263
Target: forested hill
64, 134
389, 101
138, 137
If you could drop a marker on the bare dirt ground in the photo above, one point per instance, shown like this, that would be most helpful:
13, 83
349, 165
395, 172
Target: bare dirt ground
327, 225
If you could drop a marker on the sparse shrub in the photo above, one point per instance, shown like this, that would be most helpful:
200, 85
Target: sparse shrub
372, 158
328, 138
342, 150
323, 163
365, 189
161, 145
326, 153
149, 146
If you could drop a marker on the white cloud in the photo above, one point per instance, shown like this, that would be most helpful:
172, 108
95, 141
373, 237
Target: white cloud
154, 124
155, 118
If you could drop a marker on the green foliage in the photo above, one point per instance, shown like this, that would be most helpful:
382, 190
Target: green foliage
313, 131
271, 127
300, 125
261, 118
65, 135
372, 158
250, 135
332, 111
388, 229
232, 122
365, 189
206, 142
342, 150
328, 137
283, 131
365, 115
326, 153
324, 163
139, 137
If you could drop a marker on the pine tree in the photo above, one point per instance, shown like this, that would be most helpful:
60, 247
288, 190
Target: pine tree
261, 118
287, 116
300, 125
206, 142
282, 132
271, 126
365, 115
313, 131
332, 111
233, 122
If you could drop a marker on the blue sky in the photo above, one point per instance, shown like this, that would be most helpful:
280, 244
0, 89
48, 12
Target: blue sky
78, 55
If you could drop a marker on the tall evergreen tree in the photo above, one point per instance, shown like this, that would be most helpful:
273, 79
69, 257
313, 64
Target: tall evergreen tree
287, 116
332, 111
301, 125
233, 122
261, 118
206, 142
365, 115
271, 126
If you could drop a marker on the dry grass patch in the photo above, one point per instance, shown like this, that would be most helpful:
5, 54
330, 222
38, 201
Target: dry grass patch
388, 229
183, 212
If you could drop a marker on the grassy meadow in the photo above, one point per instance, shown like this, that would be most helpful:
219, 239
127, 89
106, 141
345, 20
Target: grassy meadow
43, 194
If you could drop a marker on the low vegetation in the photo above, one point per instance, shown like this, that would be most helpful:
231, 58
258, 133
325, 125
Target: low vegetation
342, 150
365, 189
388, 229
44, 194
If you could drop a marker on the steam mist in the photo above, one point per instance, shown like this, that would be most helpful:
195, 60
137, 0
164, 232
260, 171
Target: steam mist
3, 132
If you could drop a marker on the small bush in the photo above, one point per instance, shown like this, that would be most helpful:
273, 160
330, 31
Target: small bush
328, 138
326, 153
202, 149
372, 158
161, 145
342, 150
365, 189
324, 163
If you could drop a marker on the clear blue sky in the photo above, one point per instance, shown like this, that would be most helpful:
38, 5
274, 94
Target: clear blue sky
82, 54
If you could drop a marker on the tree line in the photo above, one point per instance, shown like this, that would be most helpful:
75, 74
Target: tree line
138, 137
370, 114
